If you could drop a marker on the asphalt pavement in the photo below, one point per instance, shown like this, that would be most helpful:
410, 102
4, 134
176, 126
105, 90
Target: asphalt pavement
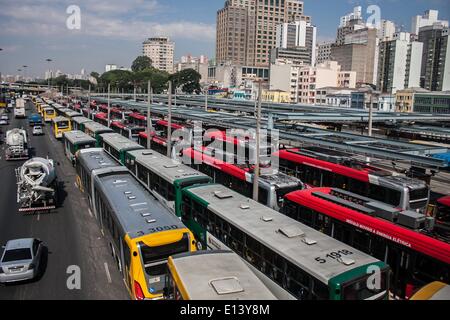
70, 232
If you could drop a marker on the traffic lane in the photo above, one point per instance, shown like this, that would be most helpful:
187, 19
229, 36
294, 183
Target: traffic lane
72, 236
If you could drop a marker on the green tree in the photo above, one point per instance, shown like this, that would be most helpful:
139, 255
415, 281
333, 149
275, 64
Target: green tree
188, 80
157, 78
141, 63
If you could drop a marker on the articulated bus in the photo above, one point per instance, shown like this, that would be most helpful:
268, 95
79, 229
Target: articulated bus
95, 129
79, 122
76, 140
213, 275
117, 145
434, 291
60, 125
164, 177
141, 232
321, 167
405, 240
272, 186
307, 263
130, 132
48, 114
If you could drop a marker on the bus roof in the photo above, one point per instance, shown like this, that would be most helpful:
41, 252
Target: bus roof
445, 201
376, 218
76, 137
95, 158
165, 167
218, 275
59, 119
296, 242
138, 212
119, 142
96, 127
81, 120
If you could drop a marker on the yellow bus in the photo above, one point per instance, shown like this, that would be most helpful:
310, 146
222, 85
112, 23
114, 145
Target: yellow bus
60, 125
213, 275
49, 114
433, 291
141, 232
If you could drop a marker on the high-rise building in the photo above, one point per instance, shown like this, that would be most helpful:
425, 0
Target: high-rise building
295, 41
161, 51
435, 74
399, 63
428, 19
387, 30
349, 23
358, 52
323, 52
246, 29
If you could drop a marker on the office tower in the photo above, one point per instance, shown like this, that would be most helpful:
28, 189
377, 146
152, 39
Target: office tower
399, 63
428, 19
161, 51
246, 29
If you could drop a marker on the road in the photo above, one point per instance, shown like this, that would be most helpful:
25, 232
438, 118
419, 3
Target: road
70, 232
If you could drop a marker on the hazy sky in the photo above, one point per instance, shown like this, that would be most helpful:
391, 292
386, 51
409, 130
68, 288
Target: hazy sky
112, 31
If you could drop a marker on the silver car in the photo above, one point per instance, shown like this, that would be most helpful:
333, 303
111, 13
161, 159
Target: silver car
21, 260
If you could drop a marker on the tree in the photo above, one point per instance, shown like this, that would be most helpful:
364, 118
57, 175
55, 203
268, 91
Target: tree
188, 80
141, 63
157, 77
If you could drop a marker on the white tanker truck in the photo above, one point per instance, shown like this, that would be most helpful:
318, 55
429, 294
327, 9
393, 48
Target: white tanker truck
16, 144
36, 185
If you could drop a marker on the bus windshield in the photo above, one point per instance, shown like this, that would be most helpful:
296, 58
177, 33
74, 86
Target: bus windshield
63, 124
152, 255
418, 198
365, 289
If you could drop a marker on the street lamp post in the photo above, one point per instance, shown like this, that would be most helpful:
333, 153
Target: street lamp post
48, 62
258, 128
169, 125
149, 115
109, 105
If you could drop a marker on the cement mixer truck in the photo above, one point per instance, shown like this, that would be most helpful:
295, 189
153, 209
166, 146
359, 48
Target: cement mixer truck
36, 185
16, 145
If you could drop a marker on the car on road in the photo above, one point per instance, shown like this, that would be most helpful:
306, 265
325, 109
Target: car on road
3, 122
21, 260
37, 131
4, 117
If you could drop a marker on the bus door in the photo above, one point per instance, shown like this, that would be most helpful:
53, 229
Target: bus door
399, 261
126, 262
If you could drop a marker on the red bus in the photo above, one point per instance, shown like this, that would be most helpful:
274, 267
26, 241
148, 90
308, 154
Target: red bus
130, 132
101, 118
272, 186
403, 239
442, 214
321, 167
240, 146
159, 144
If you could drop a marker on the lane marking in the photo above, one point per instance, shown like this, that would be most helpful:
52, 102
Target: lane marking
108, 275
38, 216
90, 212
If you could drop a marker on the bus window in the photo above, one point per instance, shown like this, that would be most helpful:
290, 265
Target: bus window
361, 289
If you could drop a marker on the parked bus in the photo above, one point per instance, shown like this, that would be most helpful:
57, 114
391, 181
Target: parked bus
442, 214
49, 114
272, 186
95, 129
158, 144
308, 264
76, 140
141, 232
213, 275
405, 240
164, 177
130, 132
321, 167
101, 118
117, 145
79, 122
60, 125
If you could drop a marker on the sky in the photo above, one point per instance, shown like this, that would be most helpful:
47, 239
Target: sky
112, 31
